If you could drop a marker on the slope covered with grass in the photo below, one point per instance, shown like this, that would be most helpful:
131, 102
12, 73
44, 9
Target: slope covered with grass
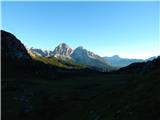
95, 97
58, 62
38, 90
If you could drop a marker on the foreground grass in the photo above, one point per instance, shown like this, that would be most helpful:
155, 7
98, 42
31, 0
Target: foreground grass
96, 97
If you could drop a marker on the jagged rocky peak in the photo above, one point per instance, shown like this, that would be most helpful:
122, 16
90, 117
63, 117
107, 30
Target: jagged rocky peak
85, 57
62, 50
40, 52
81, 52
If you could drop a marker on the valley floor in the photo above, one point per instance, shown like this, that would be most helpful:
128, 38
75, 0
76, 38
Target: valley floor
96, 97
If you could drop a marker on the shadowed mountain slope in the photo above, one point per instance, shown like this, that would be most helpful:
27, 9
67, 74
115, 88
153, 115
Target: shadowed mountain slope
16, 62
142, 67
33, 90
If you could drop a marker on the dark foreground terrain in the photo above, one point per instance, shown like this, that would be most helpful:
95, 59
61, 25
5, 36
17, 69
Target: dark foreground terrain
100, 97
33, 90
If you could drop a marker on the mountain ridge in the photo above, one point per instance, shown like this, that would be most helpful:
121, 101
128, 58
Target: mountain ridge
66, 54
118, 61
79, 56
24, 65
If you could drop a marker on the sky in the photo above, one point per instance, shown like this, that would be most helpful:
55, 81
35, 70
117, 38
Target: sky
127, 29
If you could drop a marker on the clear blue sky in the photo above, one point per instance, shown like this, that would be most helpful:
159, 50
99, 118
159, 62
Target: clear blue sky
129, 29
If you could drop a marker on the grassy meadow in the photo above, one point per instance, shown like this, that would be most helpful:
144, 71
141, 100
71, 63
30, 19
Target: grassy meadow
94, 97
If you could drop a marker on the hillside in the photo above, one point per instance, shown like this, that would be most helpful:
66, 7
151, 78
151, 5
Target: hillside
67, 63
16, 62
79, 57
102, 97
142, 67
34, 90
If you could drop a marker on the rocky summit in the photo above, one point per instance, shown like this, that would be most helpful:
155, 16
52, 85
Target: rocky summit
62, 51
79, 55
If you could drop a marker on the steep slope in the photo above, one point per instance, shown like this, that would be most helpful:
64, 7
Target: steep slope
64, 54
60, 57
12, 47
91, 97
151, 58
67, 63
139, 100
39, 52
82, 56
143, 67
16, 62
62, 51
86, 96
48, 57
121, 62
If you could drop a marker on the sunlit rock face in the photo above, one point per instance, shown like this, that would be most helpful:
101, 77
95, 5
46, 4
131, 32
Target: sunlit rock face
62, 50
79, 55
83, 56
39, 52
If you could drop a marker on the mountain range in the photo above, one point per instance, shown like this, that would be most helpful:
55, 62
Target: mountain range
78, 56
36, 87
17, 62
82, 56
66, 57
121, 62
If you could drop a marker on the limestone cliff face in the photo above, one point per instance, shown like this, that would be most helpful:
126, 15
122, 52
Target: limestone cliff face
62, 51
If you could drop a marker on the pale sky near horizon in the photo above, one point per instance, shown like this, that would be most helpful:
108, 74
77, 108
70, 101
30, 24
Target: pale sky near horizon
129, 29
